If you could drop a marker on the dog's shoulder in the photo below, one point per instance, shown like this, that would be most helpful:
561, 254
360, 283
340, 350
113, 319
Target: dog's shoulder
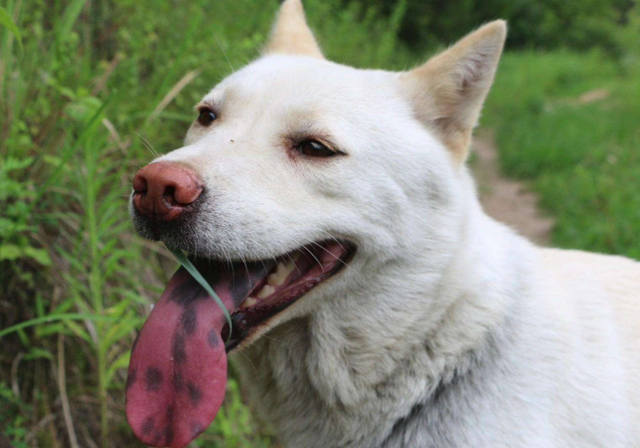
601, 295
618, 278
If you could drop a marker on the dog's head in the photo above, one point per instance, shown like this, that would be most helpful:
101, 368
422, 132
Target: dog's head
298, 158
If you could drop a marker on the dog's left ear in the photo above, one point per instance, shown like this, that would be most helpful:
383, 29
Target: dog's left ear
291, 34
448, 91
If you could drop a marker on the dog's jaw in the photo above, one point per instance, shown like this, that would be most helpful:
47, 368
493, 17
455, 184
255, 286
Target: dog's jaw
360, 362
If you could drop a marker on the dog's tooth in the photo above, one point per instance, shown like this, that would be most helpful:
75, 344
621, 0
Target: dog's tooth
249, 301
279, 276
276, 279
281, 273
267, 290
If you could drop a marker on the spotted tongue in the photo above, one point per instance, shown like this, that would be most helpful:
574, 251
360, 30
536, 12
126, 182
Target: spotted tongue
178, 369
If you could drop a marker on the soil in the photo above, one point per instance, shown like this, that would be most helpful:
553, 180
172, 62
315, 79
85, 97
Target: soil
507, 200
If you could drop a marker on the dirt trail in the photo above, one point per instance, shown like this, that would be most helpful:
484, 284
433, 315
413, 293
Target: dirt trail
507, 200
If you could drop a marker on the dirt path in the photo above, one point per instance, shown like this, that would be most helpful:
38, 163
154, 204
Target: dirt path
507, 200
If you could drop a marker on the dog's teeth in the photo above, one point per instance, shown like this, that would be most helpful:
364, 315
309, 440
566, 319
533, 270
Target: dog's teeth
267, 290
280, 275
249, 301
275, 279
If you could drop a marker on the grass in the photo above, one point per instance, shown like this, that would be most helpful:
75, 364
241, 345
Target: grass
89, 92
581, 155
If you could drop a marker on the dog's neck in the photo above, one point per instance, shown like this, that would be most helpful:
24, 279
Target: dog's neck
345, 375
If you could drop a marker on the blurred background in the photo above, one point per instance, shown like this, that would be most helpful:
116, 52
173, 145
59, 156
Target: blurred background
91, 90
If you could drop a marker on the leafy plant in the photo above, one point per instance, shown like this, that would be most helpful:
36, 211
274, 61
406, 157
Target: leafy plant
85, 86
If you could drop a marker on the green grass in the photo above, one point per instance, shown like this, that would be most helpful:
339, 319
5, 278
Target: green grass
582, 158
87, 96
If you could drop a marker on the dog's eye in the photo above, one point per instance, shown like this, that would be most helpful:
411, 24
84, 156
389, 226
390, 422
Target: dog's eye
314, 148
206, 117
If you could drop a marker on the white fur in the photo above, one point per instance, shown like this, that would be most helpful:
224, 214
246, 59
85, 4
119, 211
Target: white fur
447, 329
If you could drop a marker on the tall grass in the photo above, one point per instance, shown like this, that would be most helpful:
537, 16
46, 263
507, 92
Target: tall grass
89, 92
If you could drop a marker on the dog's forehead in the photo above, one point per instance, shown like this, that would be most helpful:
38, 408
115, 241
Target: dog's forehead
291, 81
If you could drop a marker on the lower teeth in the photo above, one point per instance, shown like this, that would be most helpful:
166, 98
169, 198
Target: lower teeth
249, 301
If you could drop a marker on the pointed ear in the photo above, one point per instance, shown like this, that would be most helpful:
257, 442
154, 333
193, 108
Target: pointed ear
291, 34
448, 91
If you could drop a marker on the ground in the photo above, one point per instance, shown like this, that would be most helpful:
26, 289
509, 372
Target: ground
507, 200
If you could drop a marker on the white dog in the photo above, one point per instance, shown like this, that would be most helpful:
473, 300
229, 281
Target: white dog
382, 307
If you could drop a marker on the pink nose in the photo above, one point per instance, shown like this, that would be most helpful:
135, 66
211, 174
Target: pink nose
162, 190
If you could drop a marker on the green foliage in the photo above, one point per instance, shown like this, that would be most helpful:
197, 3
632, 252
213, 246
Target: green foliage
13, 424
16, 194
582, 155
546, 24
84, 87
7, 21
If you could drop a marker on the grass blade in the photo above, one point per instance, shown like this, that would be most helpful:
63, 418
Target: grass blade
186, 263
7, 22
53, 318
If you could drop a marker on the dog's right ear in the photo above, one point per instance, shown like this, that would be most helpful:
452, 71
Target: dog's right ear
447, 92
291, 34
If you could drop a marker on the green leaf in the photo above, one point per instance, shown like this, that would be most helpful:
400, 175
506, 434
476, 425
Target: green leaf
10, 252
38, 353
39, 306
78, 330
70, 16
121, 363
53, 318
7, 22
13, 163
40, 255
186, 263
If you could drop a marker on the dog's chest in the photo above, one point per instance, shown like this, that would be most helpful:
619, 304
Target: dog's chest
305, 406
308, 408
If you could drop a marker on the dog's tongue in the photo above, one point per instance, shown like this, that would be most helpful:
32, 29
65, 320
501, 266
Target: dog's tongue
178, 369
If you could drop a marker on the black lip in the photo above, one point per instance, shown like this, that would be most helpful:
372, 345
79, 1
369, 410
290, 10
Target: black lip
245, 320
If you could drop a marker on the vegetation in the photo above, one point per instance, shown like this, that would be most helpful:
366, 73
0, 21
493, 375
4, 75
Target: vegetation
90, 90
578, 25
569, 123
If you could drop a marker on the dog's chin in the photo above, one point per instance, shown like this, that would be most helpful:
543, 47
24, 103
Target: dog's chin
180, 233
267, 291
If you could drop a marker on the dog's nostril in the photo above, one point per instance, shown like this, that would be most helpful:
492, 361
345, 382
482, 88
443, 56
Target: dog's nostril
139, 183
170, 191
163, 190
170, 195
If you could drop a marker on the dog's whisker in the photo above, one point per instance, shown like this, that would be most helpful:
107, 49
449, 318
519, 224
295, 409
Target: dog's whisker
233, 271
332, 254
347, 265
294, 263
279, 341
148, 145
244, 261
224, 53
250, 362
264, 265
335, 240
314, 257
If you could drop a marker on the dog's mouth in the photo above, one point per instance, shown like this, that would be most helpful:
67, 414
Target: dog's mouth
287, 278
178, 368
